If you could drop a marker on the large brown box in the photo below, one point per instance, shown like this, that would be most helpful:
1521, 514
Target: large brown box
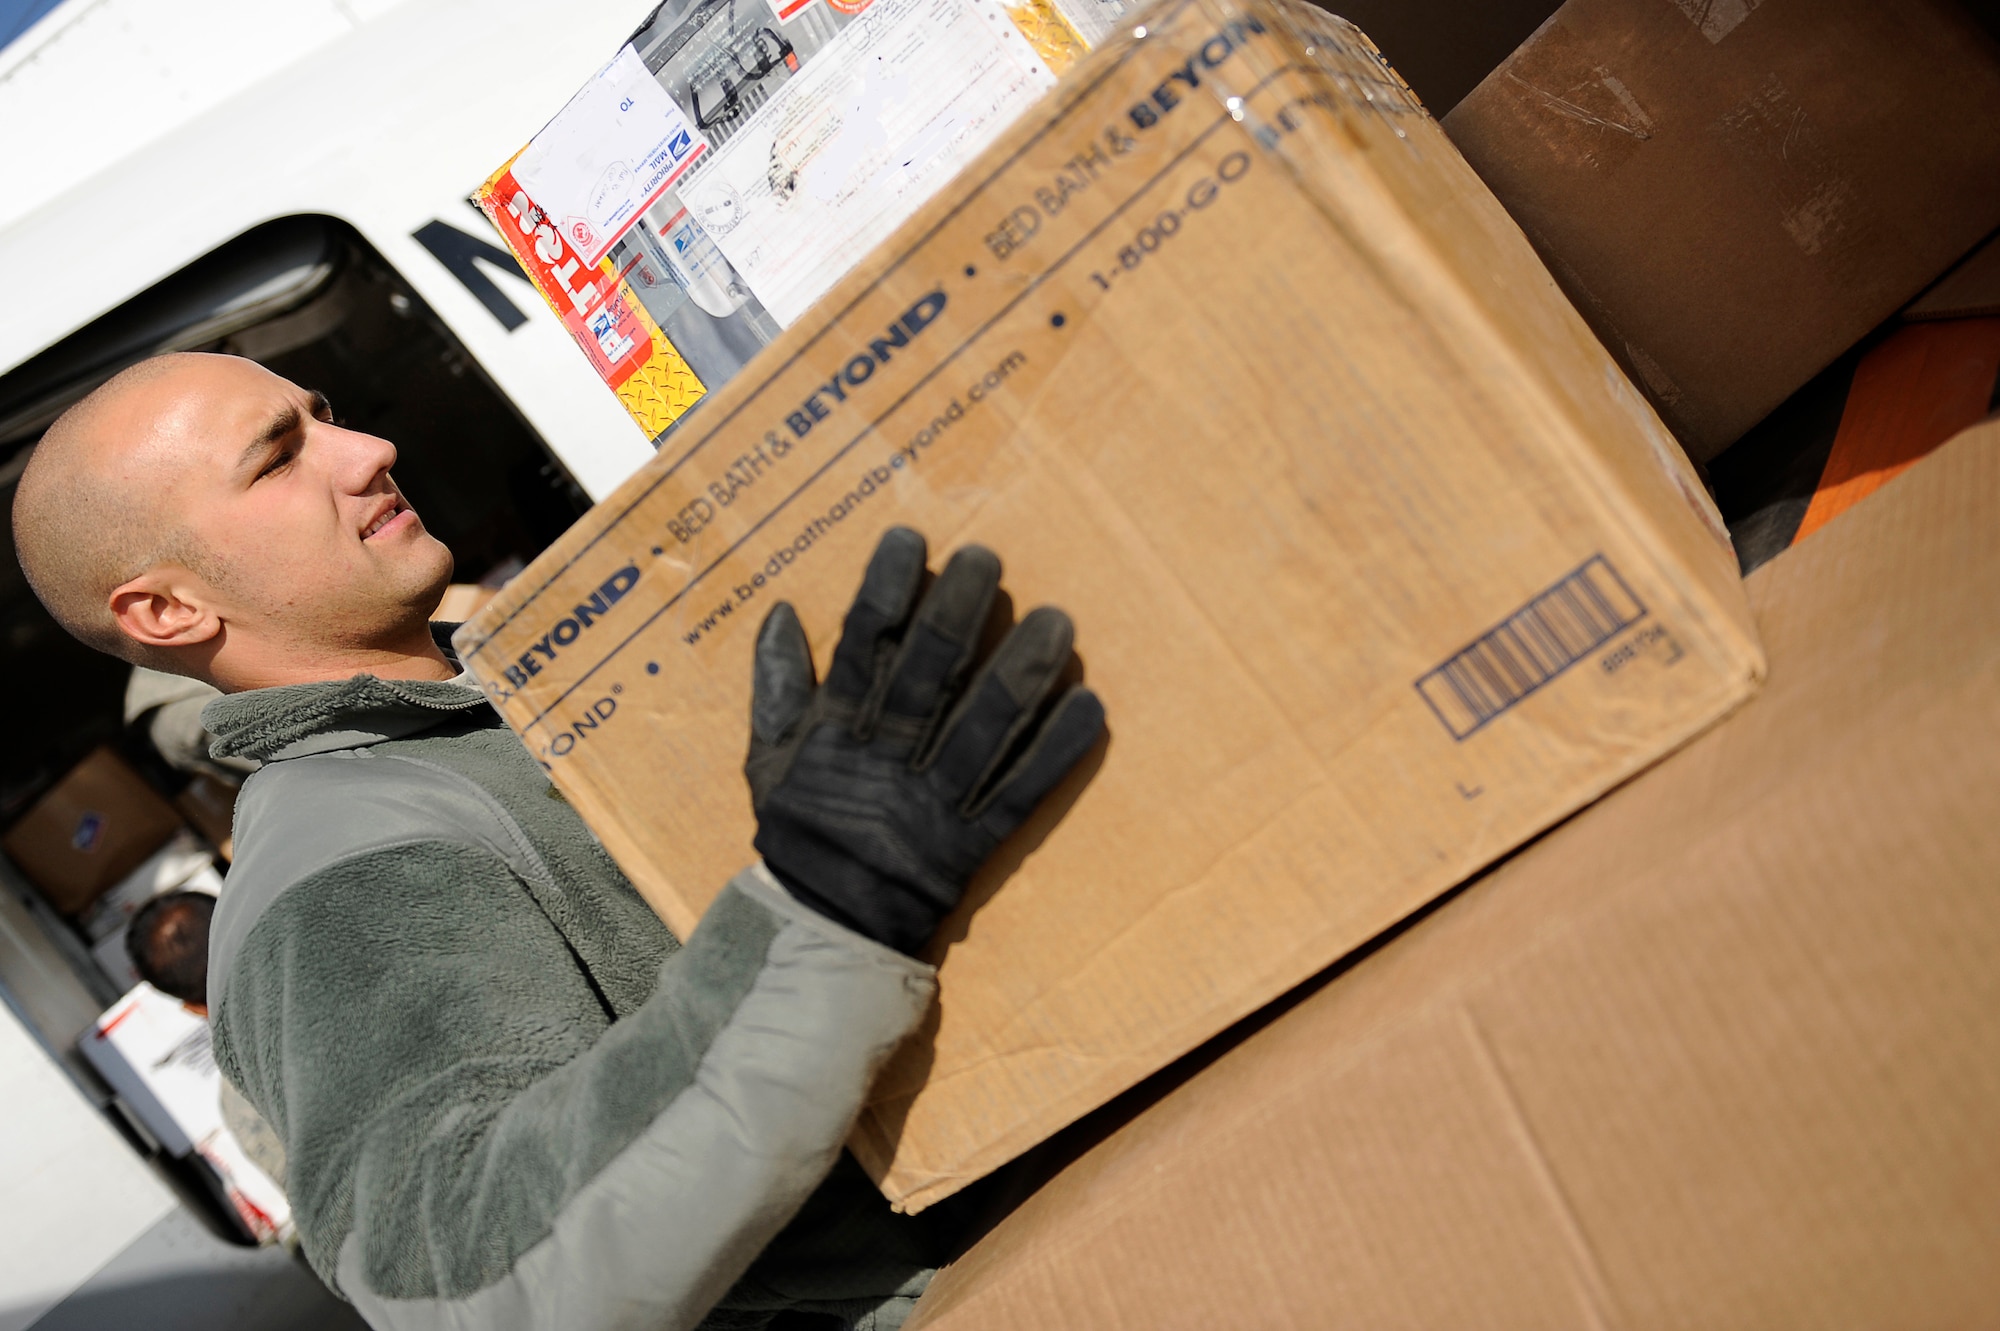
1378, 562
1734, 192
91, 829
1721, 1051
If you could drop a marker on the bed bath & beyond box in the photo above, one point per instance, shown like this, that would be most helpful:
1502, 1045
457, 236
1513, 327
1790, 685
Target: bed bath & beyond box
1379, 563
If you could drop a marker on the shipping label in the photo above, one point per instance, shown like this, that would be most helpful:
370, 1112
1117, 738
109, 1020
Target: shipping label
608, 156
852, 145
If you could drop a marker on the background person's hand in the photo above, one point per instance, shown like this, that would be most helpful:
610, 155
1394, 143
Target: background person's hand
881, 791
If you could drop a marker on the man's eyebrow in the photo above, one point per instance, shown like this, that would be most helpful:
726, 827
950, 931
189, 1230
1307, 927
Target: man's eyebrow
283, 424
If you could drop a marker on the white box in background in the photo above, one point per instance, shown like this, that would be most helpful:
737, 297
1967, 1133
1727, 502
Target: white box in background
157, 1057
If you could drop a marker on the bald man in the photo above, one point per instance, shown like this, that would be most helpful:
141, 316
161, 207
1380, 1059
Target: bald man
507, 1095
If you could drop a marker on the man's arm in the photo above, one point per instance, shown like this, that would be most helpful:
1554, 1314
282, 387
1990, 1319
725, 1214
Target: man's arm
473, 1143
467, 1151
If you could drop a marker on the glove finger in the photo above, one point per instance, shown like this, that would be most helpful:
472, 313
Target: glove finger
1001, 702
888, 590
781, 676
1059, 744
942, 638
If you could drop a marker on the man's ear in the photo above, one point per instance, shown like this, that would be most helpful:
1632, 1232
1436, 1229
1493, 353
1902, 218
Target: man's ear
162, 608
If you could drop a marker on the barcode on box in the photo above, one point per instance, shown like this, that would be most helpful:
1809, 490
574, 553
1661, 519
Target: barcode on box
1530, 647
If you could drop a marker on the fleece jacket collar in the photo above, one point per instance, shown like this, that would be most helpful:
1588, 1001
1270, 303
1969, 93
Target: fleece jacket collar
293, 720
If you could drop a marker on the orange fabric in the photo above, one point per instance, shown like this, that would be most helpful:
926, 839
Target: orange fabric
1923, 385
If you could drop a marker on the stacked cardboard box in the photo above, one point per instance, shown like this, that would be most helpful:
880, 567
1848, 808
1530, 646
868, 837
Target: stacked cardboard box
91, 829
1722, 1051
1734, 192
1379, 563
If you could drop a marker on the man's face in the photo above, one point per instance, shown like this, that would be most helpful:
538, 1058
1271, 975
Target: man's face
308, 538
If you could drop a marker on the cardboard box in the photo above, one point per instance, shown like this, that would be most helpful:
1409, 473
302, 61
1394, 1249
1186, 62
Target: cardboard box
461, 600
1721, 1051
92, 828
157, 1056
1734, 193
1969, 291
158, 1059
209, 804
1445, 47
1378, 562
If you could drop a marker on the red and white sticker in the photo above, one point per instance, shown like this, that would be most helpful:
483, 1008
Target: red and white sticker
589, 297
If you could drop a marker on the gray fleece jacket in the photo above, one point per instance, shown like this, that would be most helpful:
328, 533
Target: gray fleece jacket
508, 1096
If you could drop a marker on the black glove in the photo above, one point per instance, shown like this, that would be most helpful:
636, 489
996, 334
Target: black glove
881, 791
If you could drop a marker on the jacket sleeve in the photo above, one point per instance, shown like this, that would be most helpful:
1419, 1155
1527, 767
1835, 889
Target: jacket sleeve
474, 1144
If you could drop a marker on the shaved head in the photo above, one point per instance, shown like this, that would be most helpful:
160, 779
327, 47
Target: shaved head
202, 515
83, 523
